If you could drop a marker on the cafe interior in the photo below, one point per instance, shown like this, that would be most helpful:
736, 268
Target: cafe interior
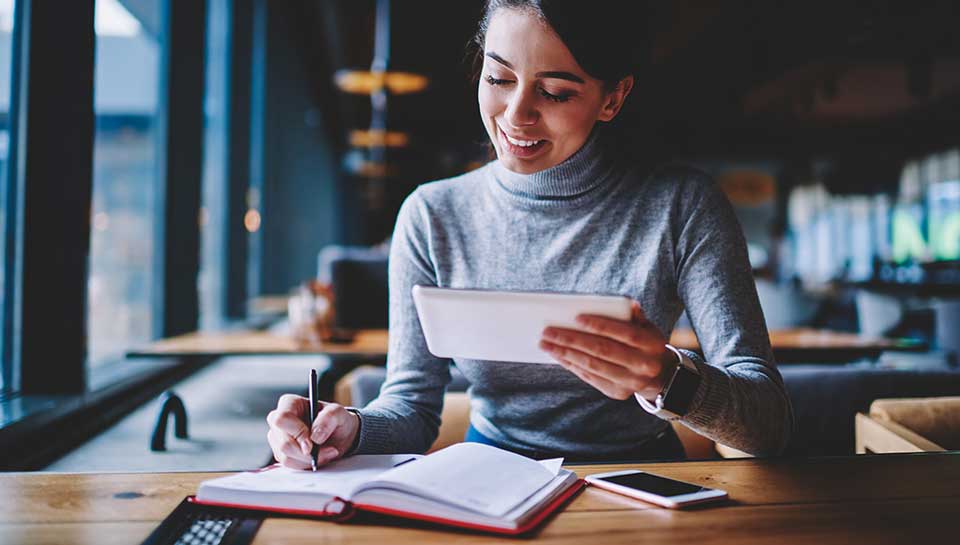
197, 201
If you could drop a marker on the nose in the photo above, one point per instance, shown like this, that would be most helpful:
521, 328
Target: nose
521, 109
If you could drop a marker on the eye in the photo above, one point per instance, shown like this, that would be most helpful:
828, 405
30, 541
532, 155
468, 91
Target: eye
555, 98
494, 81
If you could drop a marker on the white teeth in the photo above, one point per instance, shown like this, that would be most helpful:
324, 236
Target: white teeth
521, 143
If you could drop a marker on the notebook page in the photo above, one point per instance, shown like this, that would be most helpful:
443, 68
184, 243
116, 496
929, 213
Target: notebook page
403, 501
473, 476
336, 479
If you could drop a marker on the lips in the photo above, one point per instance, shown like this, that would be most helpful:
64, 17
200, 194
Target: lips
521, 147
523, 143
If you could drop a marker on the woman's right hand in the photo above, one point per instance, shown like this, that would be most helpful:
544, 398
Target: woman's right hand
334, 429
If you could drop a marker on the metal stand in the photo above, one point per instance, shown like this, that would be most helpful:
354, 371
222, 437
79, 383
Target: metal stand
171, 404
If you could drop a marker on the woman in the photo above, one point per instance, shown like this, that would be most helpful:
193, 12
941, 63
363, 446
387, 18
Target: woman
559, 211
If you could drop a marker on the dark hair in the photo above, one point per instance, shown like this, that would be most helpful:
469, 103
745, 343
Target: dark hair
607, 38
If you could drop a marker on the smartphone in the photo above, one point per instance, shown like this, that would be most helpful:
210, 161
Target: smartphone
655, 489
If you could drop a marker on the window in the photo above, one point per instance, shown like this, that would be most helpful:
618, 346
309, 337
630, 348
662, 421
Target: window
100, 158
213, 241
6, 55
123, 255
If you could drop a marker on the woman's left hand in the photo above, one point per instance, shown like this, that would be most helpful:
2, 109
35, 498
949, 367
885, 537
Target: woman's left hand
616, 357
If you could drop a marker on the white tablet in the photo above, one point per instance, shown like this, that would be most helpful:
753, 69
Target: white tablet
503, 325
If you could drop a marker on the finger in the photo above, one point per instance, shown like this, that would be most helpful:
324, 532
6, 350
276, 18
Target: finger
605, 386
292, 463
281, 456
608, 371
643, 335
326, 423
597, 382
274, 447
295, 404
287, 446
612, 372
289, 423
327, 455
598, 346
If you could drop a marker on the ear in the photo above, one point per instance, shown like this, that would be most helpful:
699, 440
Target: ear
614, 99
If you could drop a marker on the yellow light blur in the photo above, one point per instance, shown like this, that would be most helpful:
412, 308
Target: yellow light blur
251, 220
371, 169
364, 82
378, 137
401, 83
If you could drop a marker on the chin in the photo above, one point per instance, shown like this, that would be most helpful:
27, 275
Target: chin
521, 167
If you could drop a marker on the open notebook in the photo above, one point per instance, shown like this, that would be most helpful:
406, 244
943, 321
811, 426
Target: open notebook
467, 485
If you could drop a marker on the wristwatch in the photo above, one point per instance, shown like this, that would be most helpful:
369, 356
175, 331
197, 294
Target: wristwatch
675, 398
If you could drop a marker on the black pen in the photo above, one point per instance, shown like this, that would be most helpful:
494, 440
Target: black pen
314, 402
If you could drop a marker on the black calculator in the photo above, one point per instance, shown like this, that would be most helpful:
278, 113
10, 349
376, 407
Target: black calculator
195, 524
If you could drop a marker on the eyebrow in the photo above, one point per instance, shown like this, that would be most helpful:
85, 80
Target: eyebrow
551, 74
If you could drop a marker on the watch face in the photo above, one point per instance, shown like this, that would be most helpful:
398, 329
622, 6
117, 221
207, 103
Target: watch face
679, 394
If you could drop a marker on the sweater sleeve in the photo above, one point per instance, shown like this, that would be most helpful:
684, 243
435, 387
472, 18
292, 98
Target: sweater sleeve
405, 417
741, 401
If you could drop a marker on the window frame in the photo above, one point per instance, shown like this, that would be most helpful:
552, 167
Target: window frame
241, 99
48, 206
53, 59
180, 141
9, 228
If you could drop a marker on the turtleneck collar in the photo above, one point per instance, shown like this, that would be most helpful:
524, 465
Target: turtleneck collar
579, 174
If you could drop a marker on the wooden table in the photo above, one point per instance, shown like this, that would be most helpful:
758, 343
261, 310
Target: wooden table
367, 346
371, 342
911, 498
789, 345
806, 345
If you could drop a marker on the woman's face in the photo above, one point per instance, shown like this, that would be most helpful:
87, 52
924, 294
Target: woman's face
537, 104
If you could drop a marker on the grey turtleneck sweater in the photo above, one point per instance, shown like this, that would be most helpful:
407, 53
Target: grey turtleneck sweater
668, 239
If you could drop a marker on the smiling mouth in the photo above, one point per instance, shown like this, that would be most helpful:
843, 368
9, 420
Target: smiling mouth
519, 147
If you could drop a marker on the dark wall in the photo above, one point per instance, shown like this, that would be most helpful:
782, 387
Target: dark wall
301, 201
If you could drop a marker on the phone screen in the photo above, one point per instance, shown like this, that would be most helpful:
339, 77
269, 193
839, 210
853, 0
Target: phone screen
653, 484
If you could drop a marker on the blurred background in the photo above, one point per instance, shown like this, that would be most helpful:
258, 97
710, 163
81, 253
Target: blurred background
237, 165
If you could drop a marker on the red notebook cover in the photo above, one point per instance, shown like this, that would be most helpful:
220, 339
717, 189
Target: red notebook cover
346, 510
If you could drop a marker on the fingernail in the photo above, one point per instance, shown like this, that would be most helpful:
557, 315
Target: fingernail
327, 454
305, 447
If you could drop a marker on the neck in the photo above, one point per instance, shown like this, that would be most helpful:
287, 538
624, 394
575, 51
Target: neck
580, 173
